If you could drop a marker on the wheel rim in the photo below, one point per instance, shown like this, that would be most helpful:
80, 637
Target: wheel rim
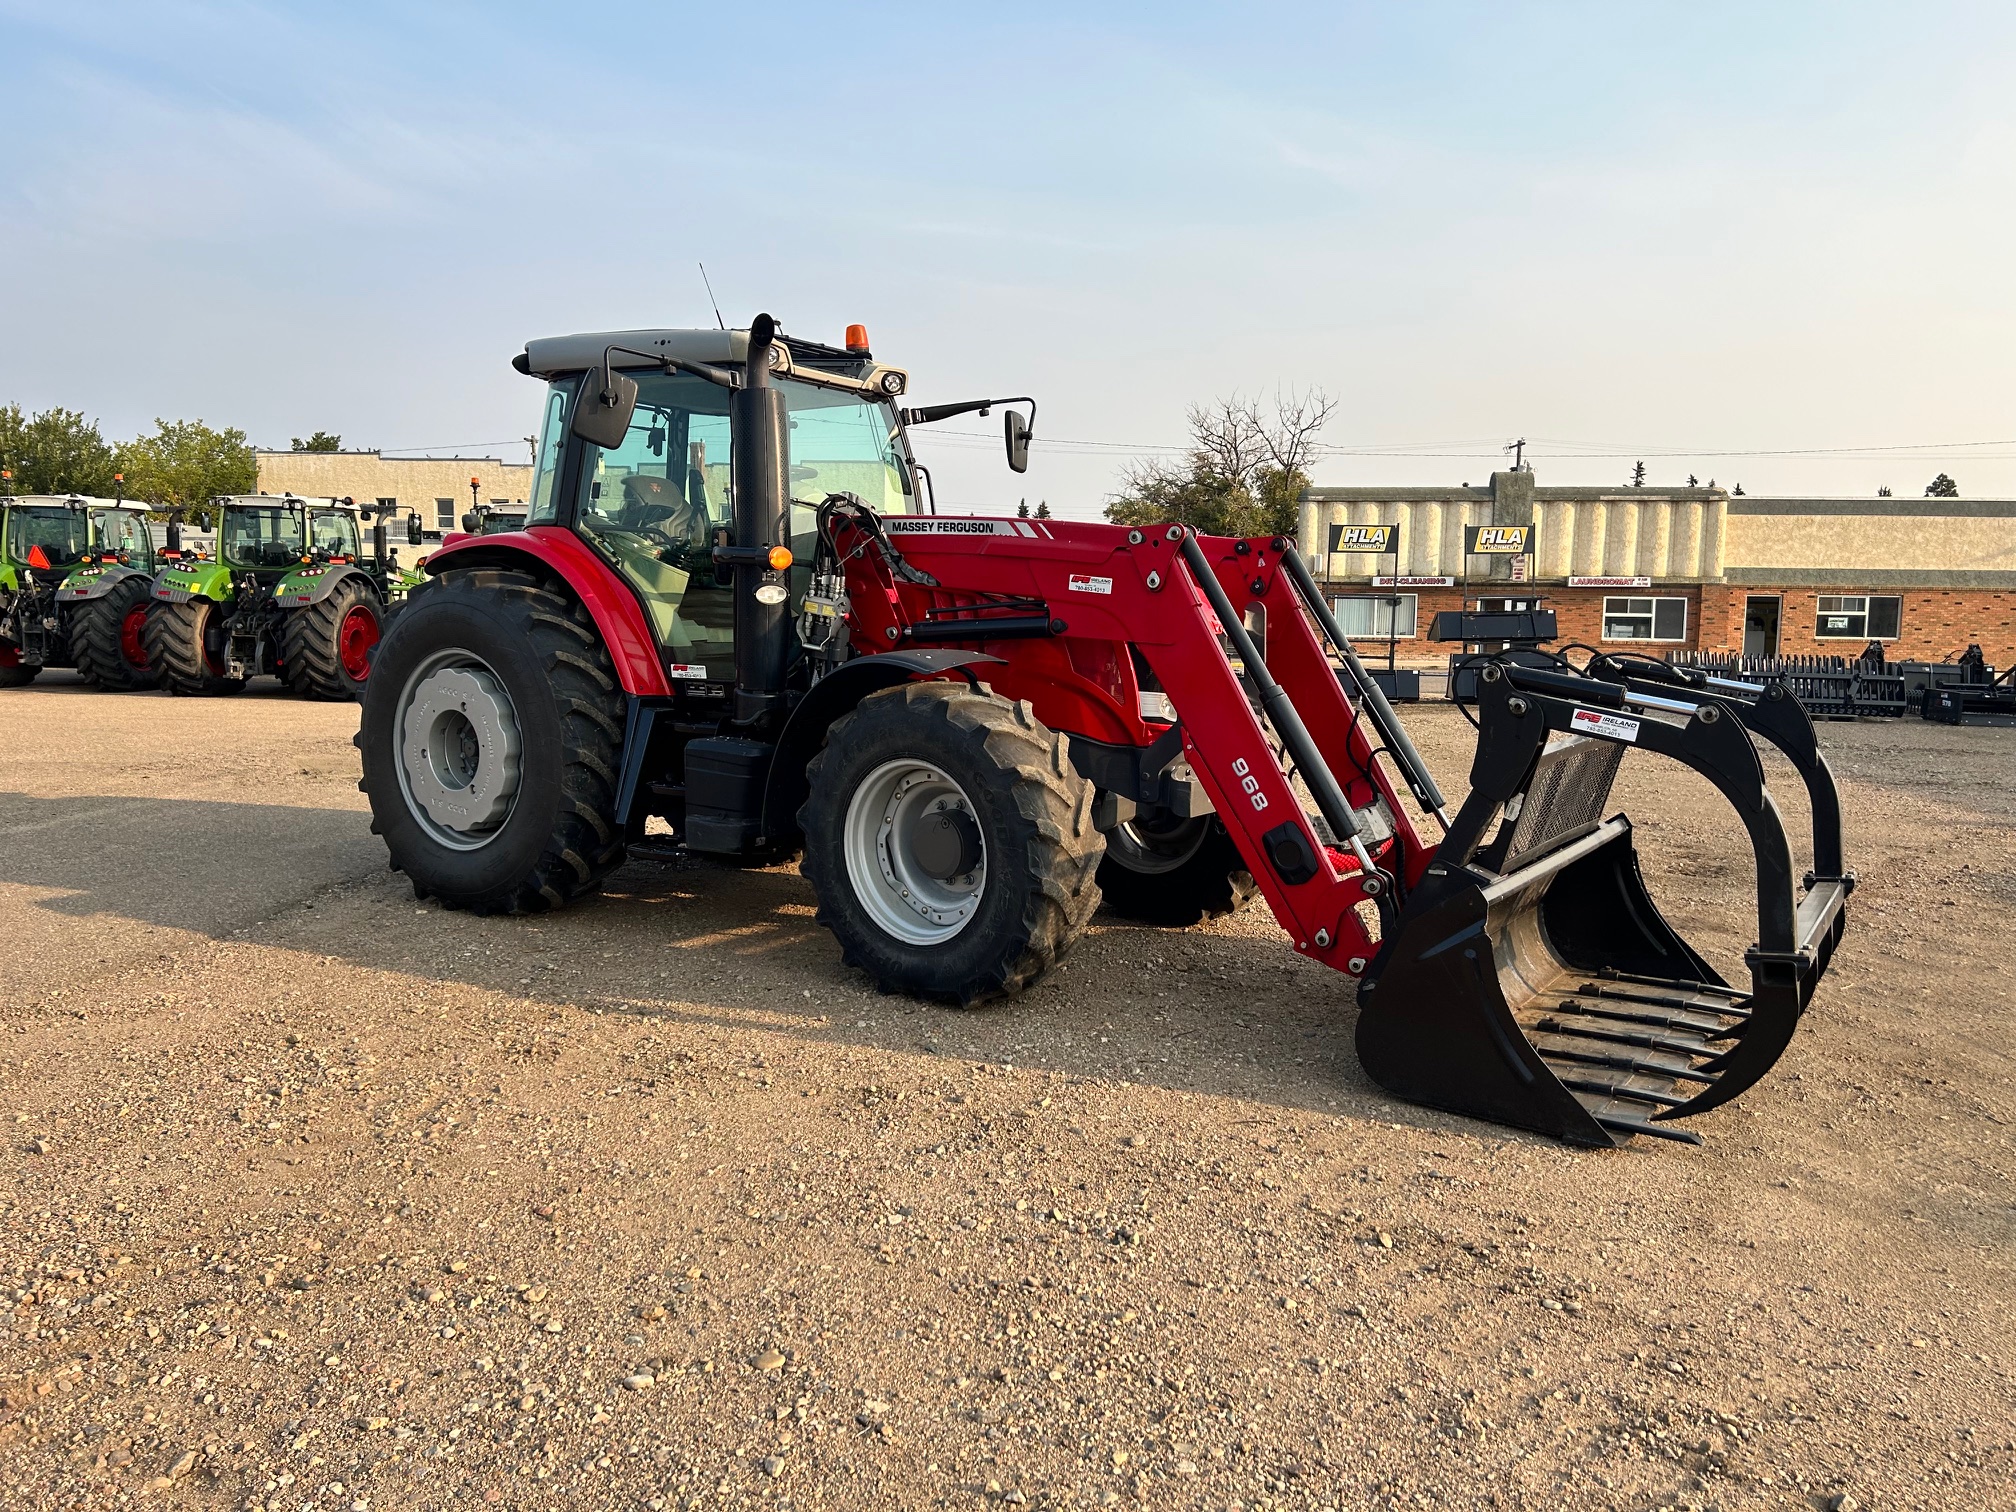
459, 748
129, 636
213, 634
355, 636
1159, 845
915, 855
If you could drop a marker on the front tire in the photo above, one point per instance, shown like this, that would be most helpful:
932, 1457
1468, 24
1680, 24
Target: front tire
108, 637
185, 646
1173, 872
325, 649
950, 843
491, 735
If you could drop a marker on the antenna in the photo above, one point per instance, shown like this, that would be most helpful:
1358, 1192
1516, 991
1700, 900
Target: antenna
711, 299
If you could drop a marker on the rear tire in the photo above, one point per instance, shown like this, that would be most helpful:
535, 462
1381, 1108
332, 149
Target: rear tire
542, 752
108, 637
325, 648
185, 646
949, 841
1173, 872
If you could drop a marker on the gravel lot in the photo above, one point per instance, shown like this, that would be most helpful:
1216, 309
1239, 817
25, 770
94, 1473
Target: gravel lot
319, 1198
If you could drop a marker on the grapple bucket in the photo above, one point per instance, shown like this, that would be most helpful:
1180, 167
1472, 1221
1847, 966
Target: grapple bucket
1530, 980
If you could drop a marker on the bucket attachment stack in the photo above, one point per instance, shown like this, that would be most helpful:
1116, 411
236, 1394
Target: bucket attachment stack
1531, 980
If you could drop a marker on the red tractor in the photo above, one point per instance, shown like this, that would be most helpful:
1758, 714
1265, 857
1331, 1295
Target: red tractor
732, 609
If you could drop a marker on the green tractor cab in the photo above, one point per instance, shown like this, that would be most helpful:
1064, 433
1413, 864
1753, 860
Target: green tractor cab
74, 581
289, 593
490, 519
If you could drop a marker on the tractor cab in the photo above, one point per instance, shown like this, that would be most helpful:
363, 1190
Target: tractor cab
64, 559
654, 496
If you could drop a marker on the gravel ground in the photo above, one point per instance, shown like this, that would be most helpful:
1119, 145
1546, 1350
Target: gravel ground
319, 1198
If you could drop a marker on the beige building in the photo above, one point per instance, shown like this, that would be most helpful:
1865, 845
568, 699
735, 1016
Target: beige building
435, 488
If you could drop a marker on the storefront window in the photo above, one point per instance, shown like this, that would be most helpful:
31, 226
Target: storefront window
1645, 619
1858, 617
1373, 616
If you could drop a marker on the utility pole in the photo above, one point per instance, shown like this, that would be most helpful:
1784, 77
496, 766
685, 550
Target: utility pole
1518, 450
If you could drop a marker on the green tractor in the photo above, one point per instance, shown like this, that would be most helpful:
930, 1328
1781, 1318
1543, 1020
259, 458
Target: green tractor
289, 594
75, 575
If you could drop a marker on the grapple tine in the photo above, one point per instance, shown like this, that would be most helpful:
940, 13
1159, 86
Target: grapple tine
1531, 980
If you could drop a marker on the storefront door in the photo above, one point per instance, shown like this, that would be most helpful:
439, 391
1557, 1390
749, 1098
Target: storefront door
1760, 625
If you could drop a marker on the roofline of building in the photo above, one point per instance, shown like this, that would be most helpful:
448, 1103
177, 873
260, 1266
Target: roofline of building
1913, 508
1481, 493
261, 451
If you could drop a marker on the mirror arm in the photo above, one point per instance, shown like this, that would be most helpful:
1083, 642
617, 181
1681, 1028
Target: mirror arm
726, 378
930, 413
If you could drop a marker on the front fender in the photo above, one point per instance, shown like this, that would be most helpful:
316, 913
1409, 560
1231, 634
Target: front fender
94, 582
178, 585
830, 697
311, 585
550, 549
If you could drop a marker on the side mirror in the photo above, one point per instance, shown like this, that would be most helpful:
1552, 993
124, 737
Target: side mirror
413, 535
1016, 430
174, 537
470, 524
603, 408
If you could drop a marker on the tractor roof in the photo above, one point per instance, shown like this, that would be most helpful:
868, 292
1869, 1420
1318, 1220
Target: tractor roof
71, 501
270, 501
548, 355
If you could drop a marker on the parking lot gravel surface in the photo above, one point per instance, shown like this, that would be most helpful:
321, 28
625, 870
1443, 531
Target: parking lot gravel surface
317, 1197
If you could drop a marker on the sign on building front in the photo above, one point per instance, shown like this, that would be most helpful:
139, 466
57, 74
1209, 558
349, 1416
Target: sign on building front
1414, 582
1497, 540
1375, 540
1609, 582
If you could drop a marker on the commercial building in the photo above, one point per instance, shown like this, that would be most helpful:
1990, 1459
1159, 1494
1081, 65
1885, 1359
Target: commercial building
1684, 568
435, 488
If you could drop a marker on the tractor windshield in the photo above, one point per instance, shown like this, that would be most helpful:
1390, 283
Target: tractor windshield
333, 533
122, 534
60, 535
257, 535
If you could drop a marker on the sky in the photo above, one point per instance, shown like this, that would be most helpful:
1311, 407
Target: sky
1765, 244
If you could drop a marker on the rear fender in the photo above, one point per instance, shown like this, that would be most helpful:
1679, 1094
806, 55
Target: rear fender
549, 550
834, 695
206, 580
311, 585
94, 582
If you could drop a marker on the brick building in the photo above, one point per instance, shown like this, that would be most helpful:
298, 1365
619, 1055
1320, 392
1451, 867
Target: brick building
435, 488
1687, 568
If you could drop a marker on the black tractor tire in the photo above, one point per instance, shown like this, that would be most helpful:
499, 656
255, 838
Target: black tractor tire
185, 647
325, 646
1031, 811
108, 637
15, 673
1173, 873
560, 837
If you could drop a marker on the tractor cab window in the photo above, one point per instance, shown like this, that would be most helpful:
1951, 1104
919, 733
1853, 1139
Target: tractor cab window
124, 536
60, 534
842, 444
545, 507
333, 534
655, 507
256, 536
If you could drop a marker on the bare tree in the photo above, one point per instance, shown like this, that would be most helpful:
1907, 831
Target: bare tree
1243, 474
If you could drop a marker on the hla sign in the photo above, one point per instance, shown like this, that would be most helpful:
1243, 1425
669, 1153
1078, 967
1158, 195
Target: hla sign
1373, 539
1497, 540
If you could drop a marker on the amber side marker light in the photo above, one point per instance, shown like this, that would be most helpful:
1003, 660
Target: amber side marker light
780, 558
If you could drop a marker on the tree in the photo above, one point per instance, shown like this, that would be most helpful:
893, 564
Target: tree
1043, 510
1243, 475
1942, 487
1883, 492
1022, 510
1692, 481
57, 451
1736, 492
185, 464
1638, 476
321, 441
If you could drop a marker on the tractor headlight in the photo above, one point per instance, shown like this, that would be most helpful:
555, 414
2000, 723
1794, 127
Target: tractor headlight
892, 383
772, 593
